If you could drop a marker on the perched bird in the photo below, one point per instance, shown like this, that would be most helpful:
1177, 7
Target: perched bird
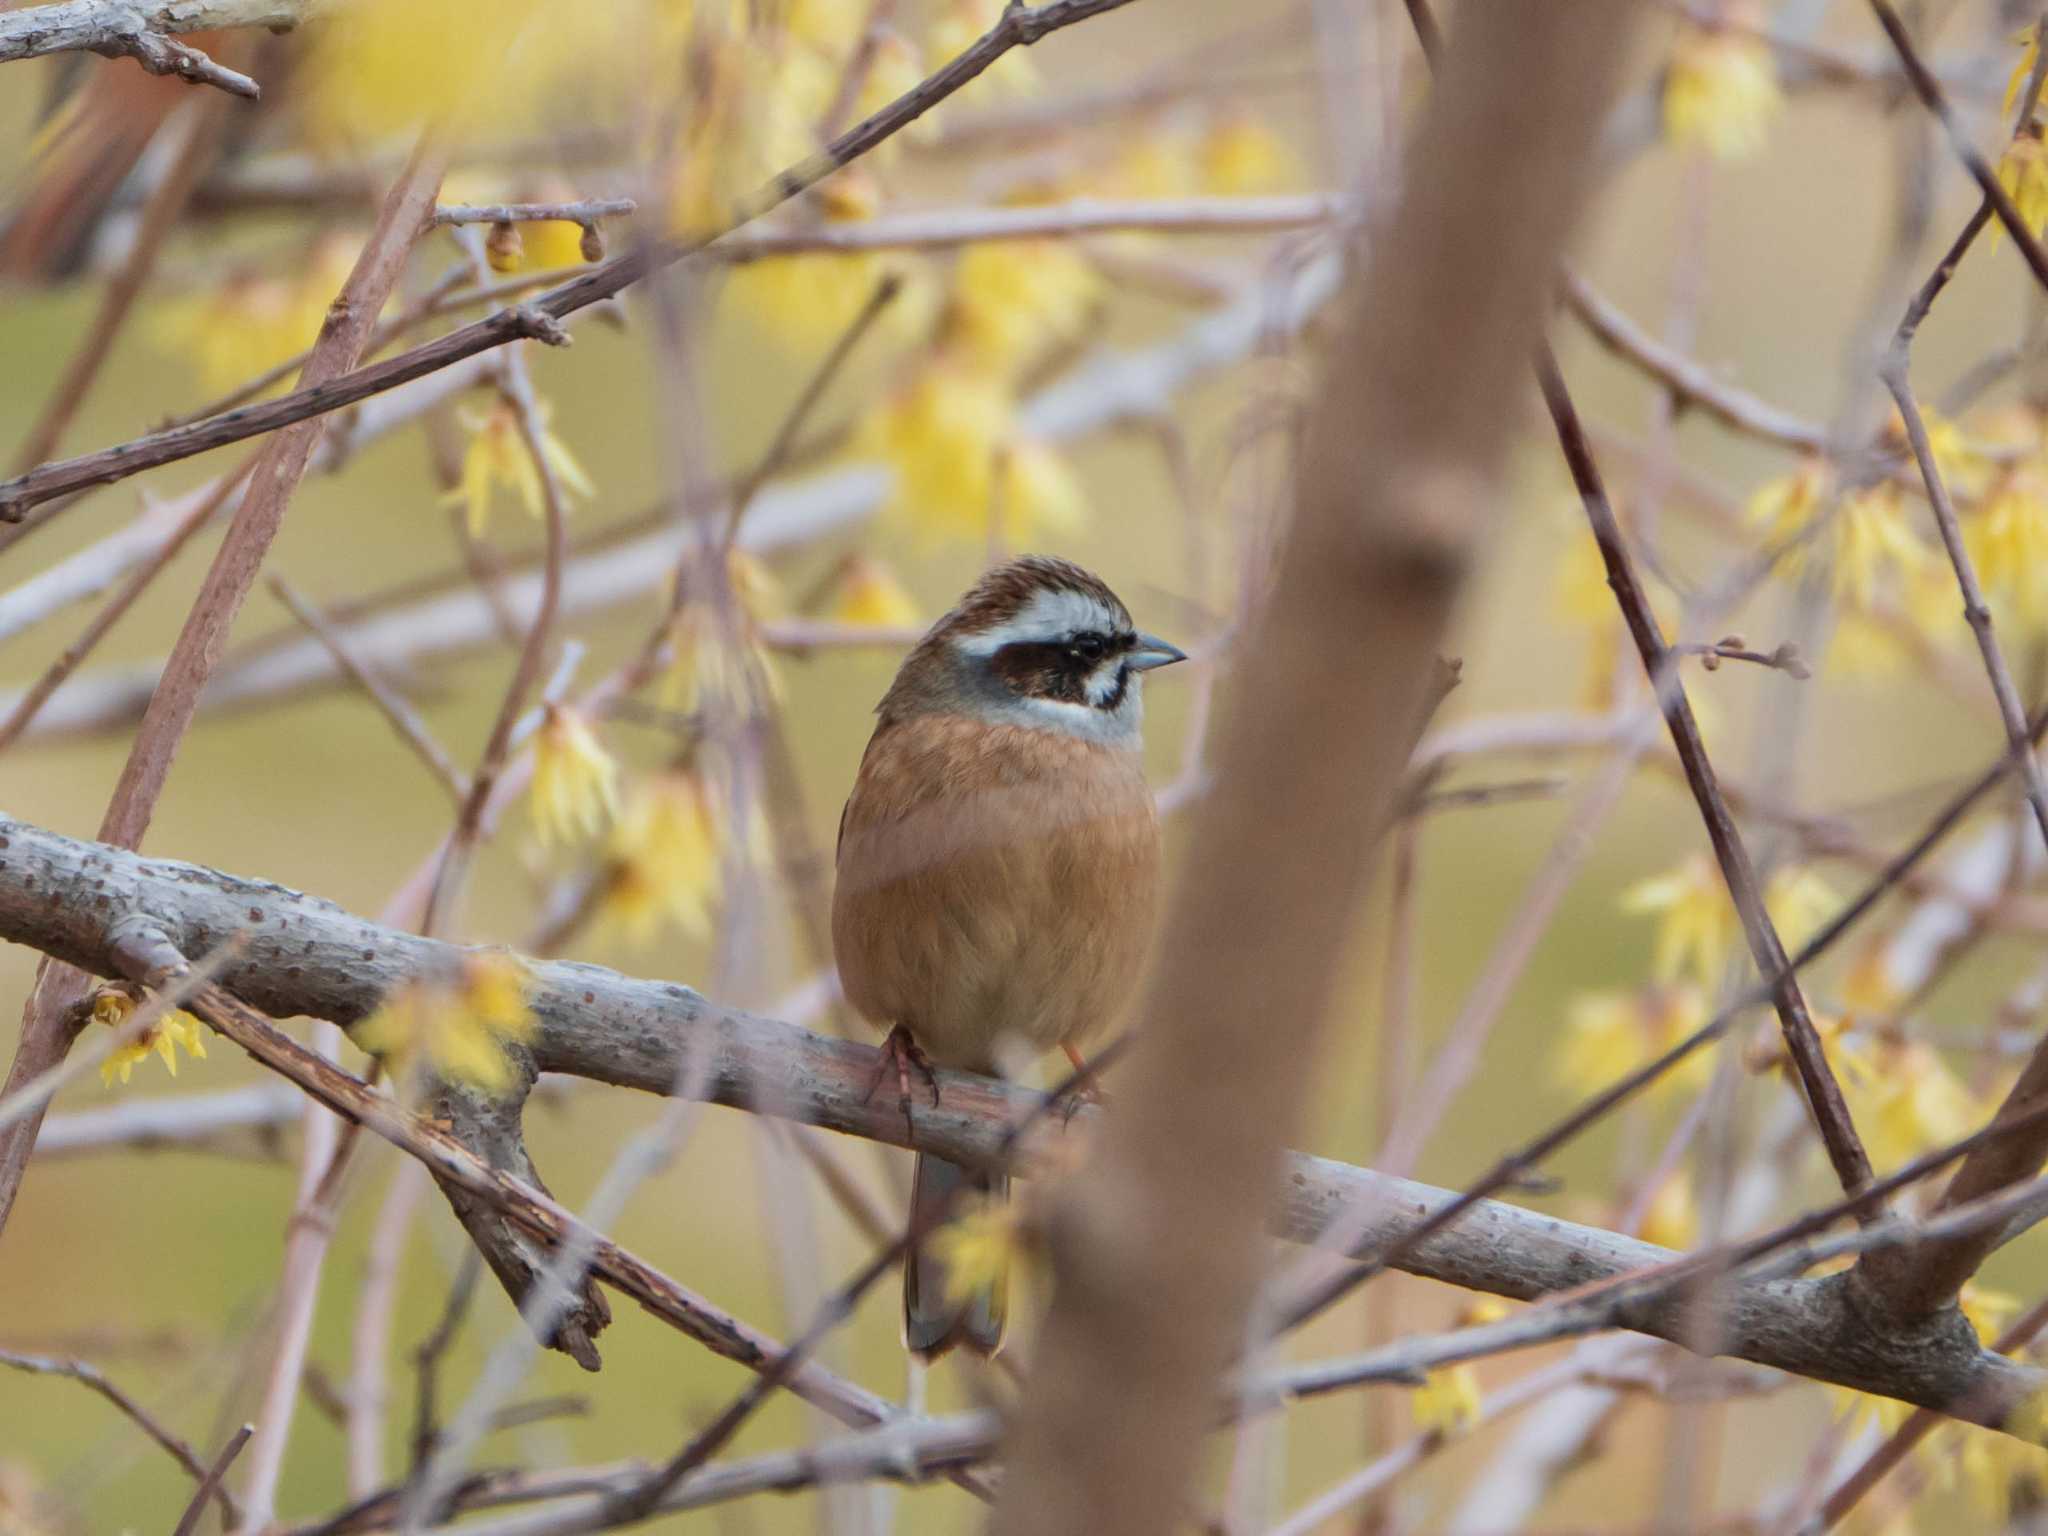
998, 862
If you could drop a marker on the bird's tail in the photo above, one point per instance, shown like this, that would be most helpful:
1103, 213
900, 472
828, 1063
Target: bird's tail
934, 1318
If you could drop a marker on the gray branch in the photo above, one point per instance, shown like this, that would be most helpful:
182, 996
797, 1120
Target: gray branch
146, 33
296, 954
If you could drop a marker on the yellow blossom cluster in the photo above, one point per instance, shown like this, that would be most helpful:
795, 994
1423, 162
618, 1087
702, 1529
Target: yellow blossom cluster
962, 467
716, 656
1991, 1465
252, 322
1697, 926
869, 594
1895, 593
454, 1027
2023, 167
1721, 88
496, 456
978, 1247
379, 72
1609, 1034
1450, 1399
115, 1008
575, 790
662, 859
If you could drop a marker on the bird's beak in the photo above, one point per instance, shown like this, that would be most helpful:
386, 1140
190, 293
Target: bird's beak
1151, 651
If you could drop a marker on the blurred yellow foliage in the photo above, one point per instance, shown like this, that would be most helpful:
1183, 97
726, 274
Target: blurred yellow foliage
663, 860
1720, 92
251, 323
575, 788
454, 1027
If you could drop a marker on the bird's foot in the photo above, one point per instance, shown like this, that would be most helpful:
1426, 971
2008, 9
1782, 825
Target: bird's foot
904, 1055
1082, 1088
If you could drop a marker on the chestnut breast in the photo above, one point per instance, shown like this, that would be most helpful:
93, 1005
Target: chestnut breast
995, 882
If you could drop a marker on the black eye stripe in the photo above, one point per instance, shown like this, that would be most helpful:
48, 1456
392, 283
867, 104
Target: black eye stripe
1061, 669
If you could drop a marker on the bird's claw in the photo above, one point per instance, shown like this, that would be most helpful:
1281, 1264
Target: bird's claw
905, 1055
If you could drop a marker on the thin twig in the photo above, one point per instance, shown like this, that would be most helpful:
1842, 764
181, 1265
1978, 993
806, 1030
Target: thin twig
91, 1376
532, 655
111, 613
586, 212
192, 156
400, 715
188, 1522
1019, 26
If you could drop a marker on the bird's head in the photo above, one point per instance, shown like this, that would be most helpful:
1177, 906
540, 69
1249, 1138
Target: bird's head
1037, 642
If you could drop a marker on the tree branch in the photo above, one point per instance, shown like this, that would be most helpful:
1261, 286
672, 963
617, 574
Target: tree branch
78, 901
540, 319
146, 33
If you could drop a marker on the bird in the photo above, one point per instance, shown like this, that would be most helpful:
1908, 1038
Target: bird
998, 867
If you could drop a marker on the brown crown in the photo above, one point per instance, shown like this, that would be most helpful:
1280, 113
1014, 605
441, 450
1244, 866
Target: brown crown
1003, 591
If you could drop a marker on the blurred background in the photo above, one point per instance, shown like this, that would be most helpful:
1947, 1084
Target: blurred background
1774, 265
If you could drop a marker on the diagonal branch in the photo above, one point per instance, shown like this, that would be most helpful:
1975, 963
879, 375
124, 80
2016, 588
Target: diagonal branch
179, 1450
540, 318
279, 466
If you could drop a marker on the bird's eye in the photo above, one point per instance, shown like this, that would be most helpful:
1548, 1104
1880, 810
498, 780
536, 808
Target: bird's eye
1089, 647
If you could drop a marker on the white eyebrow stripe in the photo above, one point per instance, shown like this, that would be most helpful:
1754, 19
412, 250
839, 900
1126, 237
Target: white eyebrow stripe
1051, 614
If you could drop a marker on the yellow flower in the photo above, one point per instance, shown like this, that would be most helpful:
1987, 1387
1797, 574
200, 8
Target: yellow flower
1873, 545
1964, 468
949, 436
1579, 586
1868, 988
378, 69
250, 323
2028, 39
870, 596
977, 1248
1905, 1099
1784, 507
1800, 903
2007, 539
1013, 298
1994, 1467
1988, 1310
1672, 1219
1448, 1403
1159, 163
177, 1028
456, 1027
575, 782
1869, 545
1697, 928
664, 860
1720, 93
806, 302
710, 661
497, 456
1610, 1034
1241, 155
751, 119
2023, 172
